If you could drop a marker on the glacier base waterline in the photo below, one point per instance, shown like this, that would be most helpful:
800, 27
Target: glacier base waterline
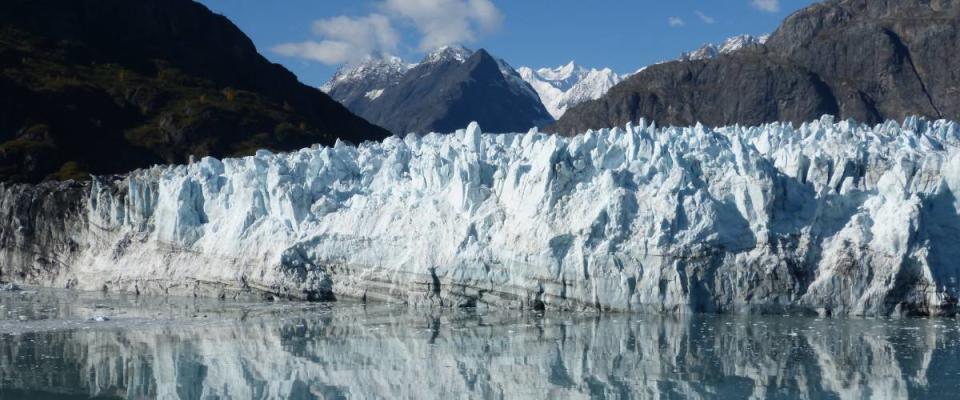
829, 217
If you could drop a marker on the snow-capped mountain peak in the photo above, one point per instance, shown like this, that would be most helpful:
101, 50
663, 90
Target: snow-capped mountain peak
460, 54
560, 73
375, 69
377, 88
567, 85
382, 72
445, 53
741, 41
730, 45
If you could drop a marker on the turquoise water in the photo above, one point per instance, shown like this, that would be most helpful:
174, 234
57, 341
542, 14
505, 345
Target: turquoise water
59, 344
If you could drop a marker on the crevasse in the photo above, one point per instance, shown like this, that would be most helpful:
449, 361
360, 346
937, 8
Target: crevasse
830, 217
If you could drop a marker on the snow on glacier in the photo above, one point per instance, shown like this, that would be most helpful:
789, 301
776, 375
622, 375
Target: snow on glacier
834, 217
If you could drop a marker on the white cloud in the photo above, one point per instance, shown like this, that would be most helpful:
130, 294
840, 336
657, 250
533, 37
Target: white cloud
439, 22
766, 5
446, 22
675, 22
327, 51
345, 40
704, 17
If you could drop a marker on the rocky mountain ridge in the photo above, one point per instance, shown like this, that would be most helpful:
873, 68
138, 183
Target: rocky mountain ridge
730, 45
866, 60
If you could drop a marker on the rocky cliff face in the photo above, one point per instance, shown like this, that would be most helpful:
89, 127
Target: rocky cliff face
829, 217
861, 59
107, 86
43, 229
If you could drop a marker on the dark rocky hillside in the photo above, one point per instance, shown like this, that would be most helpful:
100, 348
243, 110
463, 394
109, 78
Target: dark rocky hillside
869, 60
106, 86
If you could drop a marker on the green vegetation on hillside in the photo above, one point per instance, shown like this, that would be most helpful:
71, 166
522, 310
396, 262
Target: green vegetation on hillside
82, 96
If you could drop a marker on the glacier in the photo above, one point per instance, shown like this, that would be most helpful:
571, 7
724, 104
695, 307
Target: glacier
830, 217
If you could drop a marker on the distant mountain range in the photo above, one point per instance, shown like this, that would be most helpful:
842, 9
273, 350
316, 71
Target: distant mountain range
448, 89
360, 86
107, 86
568, 85
870, 60
736, 43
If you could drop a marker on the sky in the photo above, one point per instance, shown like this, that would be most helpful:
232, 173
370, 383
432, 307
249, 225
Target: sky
313, 38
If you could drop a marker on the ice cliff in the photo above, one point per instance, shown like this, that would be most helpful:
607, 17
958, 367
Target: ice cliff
832, 217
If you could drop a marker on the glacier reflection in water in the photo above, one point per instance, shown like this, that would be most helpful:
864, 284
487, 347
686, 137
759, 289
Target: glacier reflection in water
52, 346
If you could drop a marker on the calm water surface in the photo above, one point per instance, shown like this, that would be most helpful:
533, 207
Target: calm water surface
57, 344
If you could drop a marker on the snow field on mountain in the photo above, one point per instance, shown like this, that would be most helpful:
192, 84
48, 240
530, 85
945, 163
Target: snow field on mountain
568, 85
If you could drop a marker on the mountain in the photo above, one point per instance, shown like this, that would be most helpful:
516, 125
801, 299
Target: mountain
565, 86
736, 43
357, 85
568, 85
861, 59
106, 86
829, 217
449, 88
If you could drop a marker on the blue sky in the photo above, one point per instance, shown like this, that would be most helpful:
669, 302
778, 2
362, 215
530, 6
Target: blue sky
313, 37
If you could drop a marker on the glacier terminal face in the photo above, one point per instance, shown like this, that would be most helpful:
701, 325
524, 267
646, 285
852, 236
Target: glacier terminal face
829, 217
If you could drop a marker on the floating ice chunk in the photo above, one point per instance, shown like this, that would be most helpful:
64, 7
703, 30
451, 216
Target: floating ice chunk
9, 287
